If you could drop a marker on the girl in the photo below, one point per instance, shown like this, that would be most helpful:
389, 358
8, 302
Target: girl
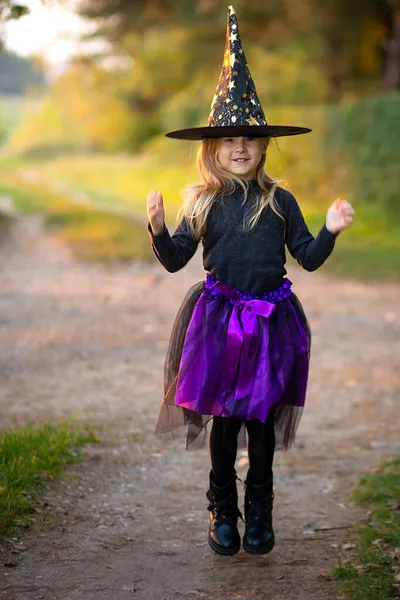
239, 349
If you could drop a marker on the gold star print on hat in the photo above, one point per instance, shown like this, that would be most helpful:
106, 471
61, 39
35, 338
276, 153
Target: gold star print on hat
235, 108
235, 101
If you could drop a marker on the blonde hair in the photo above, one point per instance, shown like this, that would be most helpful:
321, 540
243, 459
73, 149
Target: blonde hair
199, 198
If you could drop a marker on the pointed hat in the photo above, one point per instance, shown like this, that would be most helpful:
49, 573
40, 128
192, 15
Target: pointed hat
236, 109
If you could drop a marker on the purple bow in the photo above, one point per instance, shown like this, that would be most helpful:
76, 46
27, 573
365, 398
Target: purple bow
238, 365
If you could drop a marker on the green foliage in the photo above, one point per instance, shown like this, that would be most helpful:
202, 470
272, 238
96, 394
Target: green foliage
29, 459
288, 77
12, 10
371, 574
43, 129
10, 109
3, 124
365, 136
82, 110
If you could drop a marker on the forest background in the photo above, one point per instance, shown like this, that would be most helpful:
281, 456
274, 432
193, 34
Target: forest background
87, 145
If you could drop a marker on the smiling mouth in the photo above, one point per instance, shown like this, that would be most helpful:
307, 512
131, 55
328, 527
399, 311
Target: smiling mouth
240, 160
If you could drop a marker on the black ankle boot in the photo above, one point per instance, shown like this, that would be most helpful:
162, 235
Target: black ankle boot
223, 535
259, 535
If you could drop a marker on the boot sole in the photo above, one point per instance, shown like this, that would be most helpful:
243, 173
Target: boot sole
257, 549
222, 551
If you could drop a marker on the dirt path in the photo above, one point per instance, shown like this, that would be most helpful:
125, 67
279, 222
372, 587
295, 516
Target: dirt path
89, 341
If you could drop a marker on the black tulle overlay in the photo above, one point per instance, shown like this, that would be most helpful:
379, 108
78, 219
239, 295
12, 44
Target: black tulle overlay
283, 352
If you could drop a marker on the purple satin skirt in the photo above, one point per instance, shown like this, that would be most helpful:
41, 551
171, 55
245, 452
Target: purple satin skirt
237, 356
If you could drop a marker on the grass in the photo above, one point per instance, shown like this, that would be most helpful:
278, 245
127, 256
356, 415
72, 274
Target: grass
374, 574
29, 459
91, 233
116, 179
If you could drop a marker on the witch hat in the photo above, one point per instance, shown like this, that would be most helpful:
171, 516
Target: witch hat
235, 109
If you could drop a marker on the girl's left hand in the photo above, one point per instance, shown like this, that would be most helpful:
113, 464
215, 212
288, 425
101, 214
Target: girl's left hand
340, 216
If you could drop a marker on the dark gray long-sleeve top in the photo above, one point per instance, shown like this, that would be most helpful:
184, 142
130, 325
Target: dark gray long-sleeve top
251, 261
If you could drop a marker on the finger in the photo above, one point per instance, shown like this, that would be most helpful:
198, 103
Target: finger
159, 201
335, 206
349, 211
152, 196
346, 206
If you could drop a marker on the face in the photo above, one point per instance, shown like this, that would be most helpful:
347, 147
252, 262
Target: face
241, 155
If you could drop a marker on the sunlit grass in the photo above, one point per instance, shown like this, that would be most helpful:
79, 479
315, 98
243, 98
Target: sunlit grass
374, 572
29, 459
91, 233
122, 180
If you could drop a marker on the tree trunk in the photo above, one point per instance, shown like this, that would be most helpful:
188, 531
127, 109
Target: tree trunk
392, 74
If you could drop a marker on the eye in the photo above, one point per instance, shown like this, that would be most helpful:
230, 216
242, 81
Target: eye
250, 139
228, 140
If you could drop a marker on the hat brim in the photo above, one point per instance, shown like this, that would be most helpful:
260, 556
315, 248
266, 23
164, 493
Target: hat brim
200, 133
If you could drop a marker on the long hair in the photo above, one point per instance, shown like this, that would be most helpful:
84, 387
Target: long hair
199, 198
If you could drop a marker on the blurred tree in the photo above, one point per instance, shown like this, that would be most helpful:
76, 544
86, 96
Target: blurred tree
89, 95
10, 10
392, 46
359, 41
82, 110
361, 38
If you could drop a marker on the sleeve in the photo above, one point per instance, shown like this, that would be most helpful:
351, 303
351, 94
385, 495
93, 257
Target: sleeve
309, 252
176, 251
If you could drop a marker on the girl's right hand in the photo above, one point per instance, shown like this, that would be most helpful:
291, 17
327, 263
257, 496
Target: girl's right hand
155, 211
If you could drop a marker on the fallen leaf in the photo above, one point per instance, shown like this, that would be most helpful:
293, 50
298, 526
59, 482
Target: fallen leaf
11, 563
374, 566
395, 554
349, 546
394, 590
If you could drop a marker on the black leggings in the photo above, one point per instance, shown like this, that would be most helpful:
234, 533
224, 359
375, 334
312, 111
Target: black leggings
223, 448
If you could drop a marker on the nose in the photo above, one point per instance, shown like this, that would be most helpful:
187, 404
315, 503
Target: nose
240, 145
